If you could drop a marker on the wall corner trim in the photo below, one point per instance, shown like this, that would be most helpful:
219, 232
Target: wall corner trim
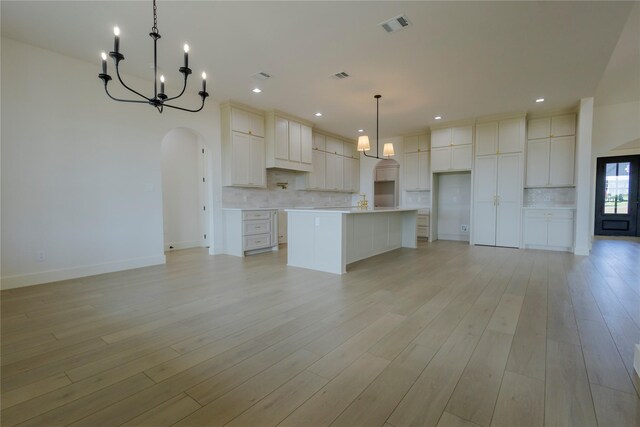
30, 279
581, 250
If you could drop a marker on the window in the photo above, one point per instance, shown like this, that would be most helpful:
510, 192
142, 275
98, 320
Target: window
616, 198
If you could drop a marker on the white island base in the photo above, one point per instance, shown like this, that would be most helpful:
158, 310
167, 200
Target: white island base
329, 239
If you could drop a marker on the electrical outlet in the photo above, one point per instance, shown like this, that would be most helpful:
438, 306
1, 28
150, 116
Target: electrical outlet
464, 228
40, 256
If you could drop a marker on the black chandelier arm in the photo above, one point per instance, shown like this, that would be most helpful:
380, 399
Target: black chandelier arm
134, 101
127, 87
183, 89
185, 109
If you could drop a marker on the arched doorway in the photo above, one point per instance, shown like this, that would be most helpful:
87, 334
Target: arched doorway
386, 183
186, 215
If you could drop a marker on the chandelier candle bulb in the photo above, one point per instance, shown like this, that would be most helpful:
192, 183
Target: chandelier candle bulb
116, 40
104, 62
161, 84
204, 81
186, 55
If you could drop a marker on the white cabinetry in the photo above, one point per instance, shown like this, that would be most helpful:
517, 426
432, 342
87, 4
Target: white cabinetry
551, 151
336, 165
243, 148
417, 158
451, 149
250, 231
550, 229
498, 175
288, 143
422, 222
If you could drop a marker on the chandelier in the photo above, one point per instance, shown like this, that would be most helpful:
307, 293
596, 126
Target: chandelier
159, 98
363, 140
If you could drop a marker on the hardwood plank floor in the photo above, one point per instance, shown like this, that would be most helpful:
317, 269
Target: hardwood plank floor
444, 335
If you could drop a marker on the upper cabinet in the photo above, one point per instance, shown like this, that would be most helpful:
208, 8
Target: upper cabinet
451, 149
500, 137
417, 158
289, 142
551, 151
243, 149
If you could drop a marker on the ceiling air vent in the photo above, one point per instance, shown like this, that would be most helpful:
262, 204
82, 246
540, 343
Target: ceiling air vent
261, 76
341, 75
395, 24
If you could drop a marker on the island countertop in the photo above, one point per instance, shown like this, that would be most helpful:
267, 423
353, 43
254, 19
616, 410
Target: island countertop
351, 210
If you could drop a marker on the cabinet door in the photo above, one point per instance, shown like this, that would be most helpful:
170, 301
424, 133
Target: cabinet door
411, 171
257, 172
316, 176
239, 120
440, 159
424, 170
510, 136
334, 170
424, 143
535, 231
484, 209
564, 125
461, 157
537, 162
346, 174
334, 145
348, 150
240, 158
509, 191
256, 124
282, 139
306, 142
561, 160
539, 128
560, 233
440, 138
486, 139
411, 144
462, 135
319, 142
355, 177
294, 141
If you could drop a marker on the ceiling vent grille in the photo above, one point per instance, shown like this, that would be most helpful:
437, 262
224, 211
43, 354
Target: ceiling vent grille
395, 24
261, 76
341, 75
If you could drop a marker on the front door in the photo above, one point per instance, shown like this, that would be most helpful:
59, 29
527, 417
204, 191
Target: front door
617, 189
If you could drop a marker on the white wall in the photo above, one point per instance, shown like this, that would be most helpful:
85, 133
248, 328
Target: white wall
81, 174
183, 190
454, 205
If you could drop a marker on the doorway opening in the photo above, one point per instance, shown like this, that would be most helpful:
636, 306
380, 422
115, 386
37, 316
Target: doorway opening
617, 196
186, 214
386, 183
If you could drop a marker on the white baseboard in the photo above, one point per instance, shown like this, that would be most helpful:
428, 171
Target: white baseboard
455, 237
581, 250
183, 245
22, 280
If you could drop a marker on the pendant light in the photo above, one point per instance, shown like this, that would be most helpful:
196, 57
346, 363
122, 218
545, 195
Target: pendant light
159, 99
363, 140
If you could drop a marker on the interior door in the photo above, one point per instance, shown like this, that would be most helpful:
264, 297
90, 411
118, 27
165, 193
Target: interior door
617, 188
484, 210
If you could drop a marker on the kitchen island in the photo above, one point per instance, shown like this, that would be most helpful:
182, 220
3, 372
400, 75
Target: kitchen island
327, 239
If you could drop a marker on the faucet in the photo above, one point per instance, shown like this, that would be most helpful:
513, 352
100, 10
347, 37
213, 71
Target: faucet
363, 203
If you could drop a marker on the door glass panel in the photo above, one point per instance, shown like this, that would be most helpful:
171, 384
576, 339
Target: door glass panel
617, 188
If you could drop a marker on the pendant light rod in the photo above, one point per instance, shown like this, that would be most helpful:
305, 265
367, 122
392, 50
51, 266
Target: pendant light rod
159, 99
364, 151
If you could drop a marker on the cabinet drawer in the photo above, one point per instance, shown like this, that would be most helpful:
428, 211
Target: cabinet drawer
550, 214
258, 241
423, 231
423, 220
256, 214
256, 227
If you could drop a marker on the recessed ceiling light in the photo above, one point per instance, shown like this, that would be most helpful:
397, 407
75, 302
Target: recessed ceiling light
257, 90
360, 130
318, 114
437, 117
540, 100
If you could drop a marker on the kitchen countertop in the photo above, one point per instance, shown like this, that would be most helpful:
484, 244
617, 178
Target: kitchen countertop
549, 207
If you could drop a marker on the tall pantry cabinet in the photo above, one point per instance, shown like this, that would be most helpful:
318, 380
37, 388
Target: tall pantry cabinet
498, 182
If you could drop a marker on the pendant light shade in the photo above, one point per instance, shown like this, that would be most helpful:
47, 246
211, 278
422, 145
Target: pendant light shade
363, 143
387, 150
363, 140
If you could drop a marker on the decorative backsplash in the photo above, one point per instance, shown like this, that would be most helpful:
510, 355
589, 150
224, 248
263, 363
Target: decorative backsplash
416, 199
549, 196
280, 193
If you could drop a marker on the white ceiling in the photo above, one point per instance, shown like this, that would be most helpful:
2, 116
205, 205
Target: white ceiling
458, 59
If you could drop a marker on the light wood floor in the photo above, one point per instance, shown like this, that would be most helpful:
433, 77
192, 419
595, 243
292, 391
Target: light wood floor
445, 335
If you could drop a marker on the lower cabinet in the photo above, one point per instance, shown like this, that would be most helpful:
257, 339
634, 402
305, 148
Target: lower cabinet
422, 224
250, 231
550, 229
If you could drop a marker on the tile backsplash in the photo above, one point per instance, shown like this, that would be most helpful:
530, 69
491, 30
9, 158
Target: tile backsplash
549, 196
416, 199
275, 196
